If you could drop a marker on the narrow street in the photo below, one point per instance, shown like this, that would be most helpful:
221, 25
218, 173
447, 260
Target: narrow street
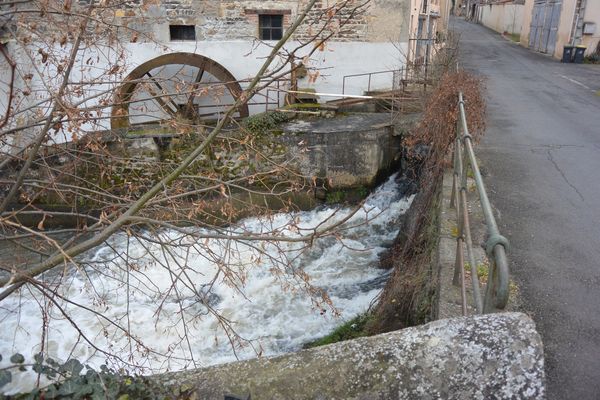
541, 156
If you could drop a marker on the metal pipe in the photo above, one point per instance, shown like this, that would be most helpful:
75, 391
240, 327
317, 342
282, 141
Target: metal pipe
372, 73
497, 290
369, 74
469, 243
348, 96
459, 210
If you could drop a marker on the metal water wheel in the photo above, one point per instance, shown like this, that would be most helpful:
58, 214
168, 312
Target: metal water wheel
174, 90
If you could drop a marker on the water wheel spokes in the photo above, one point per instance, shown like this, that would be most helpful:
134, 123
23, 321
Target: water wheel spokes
173, 91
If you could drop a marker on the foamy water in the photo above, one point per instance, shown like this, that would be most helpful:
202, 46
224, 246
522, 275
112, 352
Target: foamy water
168, 297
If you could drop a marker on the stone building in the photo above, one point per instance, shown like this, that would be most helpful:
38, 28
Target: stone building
343, 48
362, 38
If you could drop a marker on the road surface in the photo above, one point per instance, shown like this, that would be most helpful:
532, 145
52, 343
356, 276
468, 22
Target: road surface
541, 154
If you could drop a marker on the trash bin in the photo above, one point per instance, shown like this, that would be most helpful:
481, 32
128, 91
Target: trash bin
579, 53
567, 54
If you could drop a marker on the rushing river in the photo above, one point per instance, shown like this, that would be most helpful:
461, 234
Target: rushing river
172, 327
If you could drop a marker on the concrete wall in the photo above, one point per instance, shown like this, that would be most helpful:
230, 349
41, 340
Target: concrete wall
592, 14
493, 356
502, 17
565, 26
346, 151
526, 24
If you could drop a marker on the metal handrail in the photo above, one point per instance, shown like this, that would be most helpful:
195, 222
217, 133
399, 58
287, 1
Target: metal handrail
497, 287
400, 72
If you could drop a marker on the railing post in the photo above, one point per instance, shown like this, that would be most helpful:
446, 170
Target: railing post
455, 159
459, 265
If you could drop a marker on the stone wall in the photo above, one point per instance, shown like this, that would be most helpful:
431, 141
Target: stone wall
356, 20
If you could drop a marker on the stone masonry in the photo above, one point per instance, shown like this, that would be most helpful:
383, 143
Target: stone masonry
340, 21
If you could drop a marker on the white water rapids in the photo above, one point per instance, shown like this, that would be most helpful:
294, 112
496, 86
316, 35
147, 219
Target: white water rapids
273, 317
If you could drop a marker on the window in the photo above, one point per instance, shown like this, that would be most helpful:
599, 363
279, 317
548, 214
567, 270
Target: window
270, 26
182, 32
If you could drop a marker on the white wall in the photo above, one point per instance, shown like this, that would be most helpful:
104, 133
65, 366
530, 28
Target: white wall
336, 60
592, 14
243, 60
502, 17
4, 85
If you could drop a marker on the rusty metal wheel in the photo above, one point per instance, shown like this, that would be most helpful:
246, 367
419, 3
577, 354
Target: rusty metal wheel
178, 89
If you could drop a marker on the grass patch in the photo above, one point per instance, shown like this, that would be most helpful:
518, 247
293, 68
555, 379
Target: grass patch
482, 270
352, 329
454, 231
335, 197
483, 274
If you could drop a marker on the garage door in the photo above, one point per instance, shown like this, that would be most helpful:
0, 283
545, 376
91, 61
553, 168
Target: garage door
544, 25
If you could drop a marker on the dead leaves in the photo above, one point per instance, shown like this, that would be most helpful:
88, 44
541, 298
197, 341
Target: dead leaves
44, 55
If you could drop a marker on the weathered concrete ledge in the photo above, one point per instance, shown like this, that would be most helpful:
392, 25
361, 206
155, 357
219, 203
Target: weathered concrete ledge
449, 296
345, 151
494, 356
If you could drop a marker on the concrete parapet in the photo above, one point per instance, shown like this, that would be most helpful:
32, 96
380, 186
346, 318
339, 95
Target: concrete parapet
494, 356
346, 151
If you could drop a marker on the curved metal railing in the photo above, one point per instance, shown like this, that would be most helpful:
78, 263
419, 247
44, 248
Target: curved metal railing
497, 287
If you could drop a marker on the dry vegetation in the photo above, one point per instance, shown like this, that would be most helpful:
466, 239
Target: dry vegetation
406, 299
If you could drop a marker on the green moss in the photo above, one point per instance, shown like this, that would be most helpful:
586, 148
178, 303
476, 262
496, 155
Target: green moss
265, 122
362, 191
352, 329
515, 37
154, 131
350, 195
303, 106
335, 197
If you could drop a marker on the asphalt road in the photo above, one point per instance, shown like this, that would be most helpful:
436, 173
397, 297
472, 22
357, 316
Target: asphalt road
541, 154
